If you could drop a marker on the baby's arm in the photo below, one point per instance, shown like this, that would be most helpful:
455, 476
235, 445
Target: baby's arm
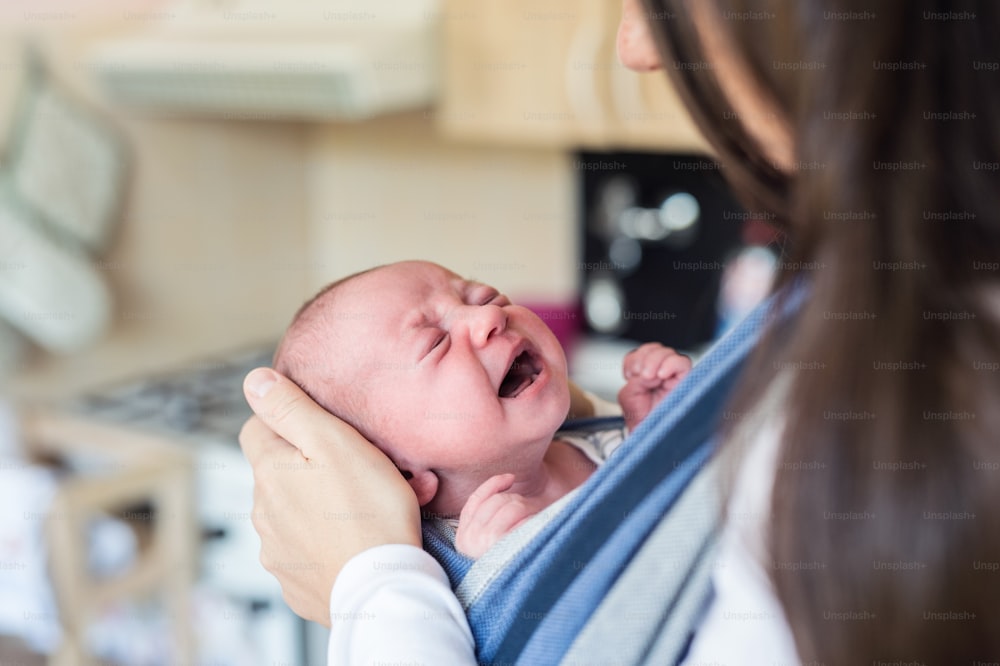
580, 406
651, 372
489, 514
584, 404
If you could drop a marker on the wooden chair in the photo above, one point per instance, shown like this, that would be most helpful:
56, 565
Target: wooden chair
123, 468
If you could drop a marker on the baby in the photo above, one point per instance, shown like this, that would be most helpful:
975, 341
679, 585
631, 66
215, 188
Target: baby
463, 390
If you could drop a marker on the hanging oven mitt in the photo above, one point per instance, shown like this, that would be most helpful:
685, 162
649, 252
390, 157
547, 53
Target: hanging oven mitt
13, 348
66, 161
60, 190
49, 290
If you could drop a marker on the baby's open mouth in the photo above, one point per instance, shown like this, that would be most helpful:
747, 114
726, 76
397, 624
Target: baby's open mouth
522, 374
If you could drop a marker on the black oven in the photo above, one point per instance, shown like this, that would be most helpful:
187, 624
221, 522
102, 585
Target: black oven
657, 232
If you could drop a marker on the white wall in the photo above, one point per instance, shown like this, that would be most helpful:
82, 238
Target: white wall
391, 189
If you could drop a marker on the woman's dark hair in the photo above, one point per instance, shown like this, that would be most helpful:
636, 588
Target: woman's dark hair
884, 536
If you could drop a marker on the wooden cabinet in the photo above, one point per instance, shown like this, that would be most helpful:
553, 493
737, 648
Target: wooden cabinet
545, 72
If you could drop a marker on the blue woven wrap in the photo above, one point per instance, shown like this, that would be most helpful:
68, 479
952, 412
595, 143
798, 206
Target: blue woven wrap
535, 607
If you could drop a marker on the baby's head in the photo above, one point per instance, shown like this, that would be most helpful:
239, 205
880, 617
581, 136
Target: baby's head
452, 381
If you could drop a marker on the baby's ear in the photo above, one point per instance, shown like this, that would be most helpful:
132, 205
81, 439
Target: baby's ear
424, 484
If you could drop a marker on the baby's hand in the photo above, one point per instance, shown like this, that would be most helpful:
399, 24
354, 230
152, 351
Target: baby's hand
489, 514
651, 372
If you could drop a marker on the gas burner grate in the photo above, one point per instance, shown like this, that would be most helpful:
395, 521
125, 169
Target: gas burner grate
204, 399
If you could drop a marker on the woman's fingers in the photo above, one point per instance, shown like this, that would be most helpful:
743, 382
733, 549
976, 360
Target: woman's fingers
322, 493
257, 440
294, 416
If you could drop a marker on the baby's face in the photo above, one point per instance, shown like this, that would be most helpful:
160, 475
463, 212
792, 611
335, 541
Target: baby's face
459, 380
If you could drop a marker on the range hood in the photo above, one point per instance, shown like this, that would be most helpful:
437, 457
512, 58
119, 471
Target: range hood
254, 59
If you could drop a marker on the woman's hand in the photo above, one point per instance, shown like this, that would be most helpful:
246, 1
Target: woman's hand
322, 492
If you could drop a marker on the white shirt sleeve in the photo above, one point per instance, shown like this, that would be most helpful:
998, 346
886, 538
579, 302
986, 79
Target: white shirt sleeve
393, 605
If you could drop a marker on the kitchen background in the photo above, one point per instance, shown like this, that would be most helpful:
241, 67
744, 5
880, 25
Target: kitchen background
177, 177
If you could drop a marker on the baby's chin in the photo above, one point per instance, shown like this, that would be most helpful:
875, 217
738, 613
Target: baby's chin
559, 417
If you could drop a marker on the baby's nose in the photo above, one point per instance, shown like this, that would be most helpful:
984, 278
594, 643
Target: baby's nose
484, 321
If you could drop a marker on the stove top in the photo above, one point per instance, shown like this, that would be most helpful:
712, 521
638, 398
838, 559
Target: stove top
203, 399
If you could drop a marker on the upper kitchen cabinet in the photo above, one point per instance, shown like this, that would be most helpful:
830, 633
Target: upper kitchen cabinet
322, 60
545, 72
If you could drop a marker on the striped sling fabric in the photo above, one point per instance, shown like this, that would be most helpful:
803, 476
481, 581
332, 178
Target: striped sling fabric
617, 572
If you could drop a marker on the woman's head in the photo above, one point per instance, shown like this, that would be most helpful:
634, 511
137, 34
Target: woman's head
785, 91
762, 114
890, 205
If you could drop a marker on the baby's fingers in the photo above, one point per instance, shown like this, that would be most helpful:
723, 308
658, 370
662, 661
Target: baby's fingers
486, 520
674, 366
643, 361
497, 515
489, 488
510, 515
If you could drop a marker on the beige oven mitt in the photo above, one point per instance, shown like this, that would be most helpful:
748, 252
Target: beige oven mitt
60, 190
66, 160
49, 291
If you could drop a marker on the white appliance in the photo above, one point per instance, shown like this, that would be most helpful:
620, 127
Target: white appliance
261, 60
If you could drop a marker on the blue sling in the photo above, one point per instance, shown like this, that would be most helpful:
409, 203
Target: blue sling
535, 607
